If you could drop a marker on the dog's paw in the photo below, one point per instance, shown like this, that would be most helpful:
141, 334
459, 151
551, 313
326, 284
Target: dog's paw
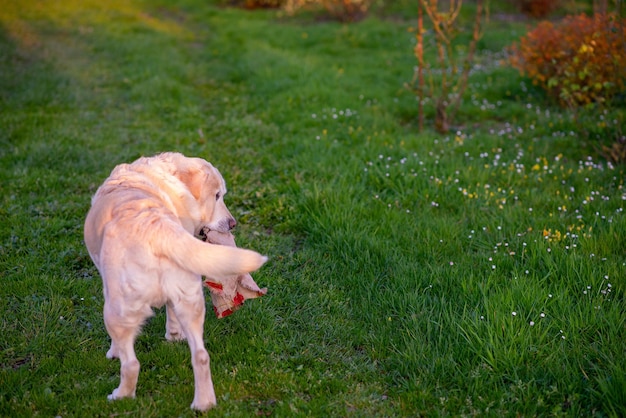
203, 401
116, 395
202, 406
174, 336
112, 354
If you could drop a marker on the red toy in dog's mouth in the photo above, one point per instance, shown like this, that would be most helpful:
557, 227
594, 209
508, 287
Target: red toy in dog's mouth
229, 294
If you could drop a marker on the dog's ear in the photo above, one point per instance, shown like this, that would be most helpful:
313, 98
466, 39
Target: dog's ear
194, 179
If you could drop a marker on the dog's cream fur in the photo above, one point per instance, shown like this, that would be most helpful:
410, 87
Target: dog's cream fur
140, 233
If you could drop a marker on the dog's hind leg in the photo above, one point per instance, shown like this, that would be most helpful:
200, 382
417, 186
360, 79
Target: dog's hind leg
173, 331
123, 333
190, 314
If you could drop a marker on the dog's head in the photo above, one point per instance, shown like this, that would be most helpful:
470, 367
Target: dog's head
208, 188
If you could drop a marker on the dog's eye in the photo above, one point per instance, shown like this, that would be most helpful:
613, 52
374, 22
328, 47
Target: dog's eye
217, 196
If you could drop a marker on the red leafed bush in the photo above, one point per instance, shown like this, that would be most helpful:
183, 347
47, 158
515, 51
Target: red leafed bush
578, 61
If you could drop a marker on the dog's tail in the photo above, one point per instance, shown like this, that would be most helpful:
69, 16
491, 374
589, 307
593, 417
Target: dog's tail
215, 261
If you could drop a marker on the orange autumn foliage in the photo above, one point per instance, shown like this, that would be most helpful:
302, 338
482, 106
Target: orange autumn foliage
578, 61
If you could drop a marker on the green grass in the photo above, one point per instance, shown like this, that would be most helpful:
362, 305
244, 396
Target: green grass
476, 273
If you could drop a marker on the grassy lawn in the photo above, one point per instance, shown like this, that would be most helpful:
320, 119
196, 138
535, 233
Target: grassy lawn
411, 273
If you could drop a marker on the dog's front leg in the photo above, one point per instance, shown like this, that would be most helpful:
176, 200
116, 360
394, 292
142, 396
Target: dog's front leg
190, 315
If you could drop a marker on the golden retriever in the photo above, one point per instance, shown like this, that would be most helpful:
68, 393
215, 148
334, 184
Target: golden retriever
141, 234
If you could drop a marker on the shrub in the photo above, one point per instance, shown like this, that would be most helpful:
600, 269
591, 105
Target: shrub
263, 4
616, 153
577, 61
453, 81
256, 4
342, 10
537, 8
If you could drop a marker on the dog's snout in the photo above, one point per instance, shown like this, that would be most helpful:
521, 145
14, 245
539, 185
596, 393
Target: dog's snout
232, 223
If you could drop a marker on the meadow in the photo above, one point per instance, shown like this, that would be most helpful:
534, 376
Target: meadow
475, 273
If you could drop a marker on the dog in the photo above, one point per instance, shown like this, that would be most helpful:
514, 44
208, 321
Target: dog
141, 233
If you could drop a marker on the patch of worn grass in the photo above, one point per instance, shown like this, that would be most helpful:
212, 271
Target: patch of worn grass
411, 273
